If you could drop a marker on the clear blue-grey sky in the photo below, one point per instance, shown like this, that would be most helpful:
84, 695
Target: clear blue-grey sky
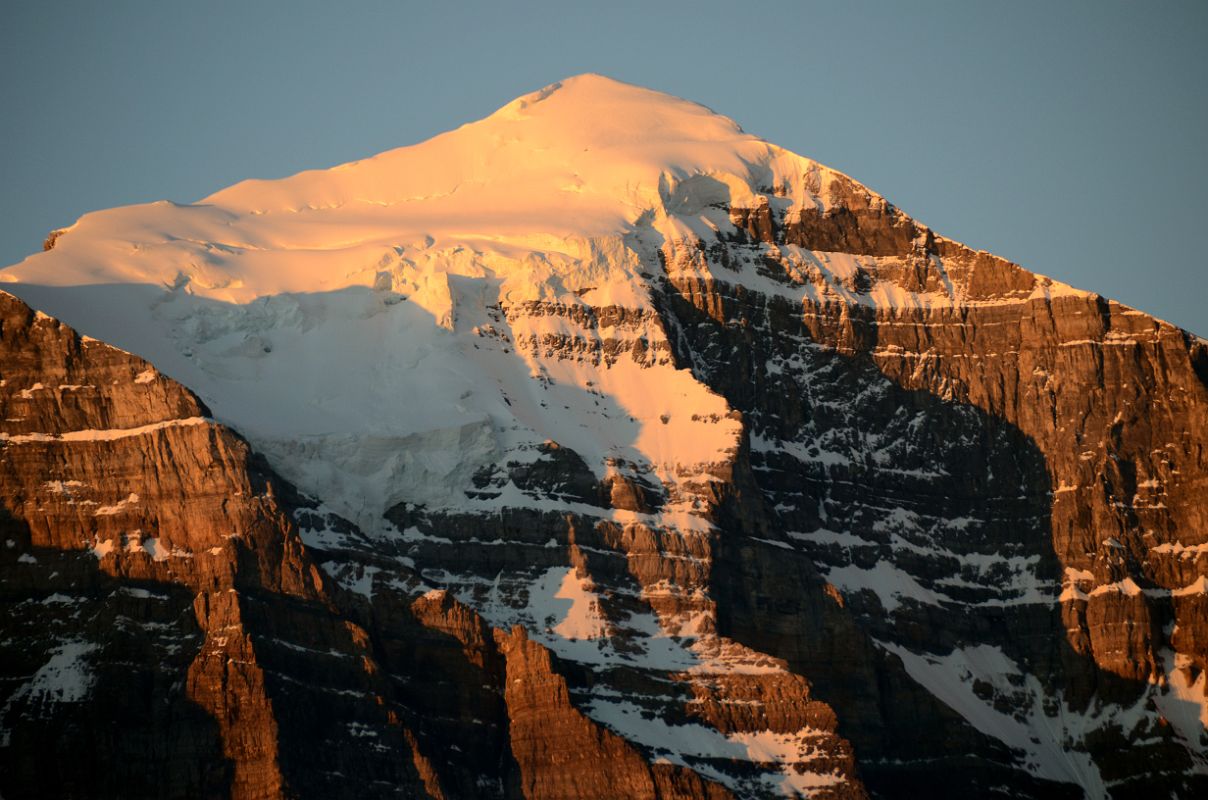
1071, 137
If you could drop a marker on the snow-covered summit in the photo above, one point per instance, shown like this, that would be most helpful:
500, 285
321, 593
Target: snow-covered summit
580, 159
385, 328
582, 156
351, 323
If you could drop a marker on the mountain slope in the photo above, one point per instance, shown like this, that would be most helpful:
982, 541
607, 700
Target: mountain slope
792, 488
167, 633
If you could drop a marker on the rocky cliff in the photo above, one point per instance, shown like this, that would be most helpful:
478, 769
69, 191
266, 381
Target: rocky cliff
634, 457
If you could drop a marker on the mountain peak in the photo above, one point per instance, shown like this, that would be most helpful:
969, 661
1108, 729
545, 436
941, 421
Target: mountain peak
709, 423
582, 158
586, 138
599, 98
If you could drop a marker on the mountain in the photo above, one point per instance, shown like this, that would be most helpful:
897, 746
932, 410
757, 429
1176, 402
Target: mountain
595, 449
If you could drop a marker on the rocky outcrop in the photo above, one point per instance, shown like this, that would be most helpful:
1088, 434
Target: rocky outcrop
583, 760
157, 596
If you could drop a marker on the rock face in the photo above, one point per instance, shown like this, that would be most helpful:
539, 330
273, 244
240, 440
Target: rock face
952, 467
727, 479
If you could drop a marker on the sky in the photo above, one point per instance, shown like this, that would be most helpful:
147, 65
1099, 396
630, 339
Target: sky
1070, 137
